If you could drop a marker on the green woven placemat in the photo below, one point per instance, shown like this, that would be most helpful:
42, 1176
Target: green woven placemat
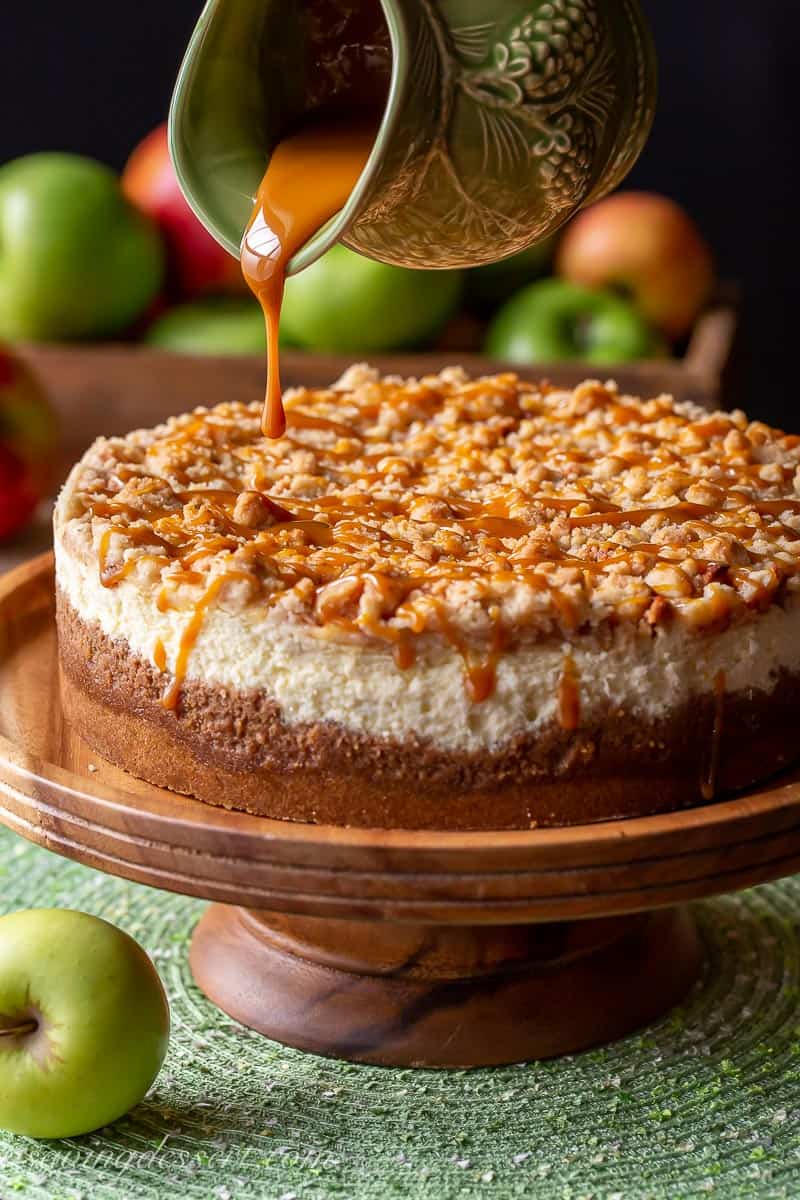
705, 1103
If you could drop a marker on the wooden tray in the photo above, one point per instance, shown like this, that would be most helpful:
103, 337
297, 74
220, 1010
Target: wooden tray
110, 389
393, 947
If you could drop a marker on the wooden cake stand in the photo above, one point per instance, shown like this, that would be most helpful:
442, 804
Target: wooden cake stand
430, 949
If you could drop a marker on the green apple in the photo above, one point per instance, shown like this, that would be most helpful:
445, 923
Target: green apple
557, 321
345, 303
77, 260
220, 326
492, 284
84, 1023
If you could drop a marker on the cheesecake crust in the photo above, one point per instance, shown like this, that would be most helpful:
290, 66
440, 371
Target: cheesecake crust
230, 748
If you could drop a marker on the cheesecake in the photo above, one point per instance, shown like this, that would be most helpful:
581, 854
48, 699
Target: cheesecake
437, 603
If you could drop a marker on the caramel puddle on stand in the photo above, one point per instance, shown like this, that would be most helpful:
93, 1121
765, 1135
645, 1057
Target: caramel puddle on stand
309, 178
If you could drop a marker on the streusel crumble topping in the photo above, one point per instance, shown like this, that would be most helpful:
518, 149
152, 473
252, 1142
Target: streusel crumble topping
485, 511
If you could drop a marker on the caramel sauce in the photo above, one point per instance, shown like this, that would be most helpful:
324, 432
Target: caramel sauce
708, 787
481, 680
637, 516
481, 676
310, 176
569, 697
502, 527
297, 419
190, 635
404, 654
480, 673
159, 656
776, 507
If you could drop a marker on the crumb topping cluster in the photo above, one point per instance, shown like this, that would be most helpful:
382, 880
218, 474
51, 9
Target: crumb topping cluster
485, 511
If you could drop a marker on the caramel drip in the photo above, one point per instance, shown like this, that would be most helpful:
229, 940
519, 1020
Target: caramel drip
390, 593
160, 656
190, 635
106, 578
569, 698
481, 676
404, 653
310, 177
708, 787
481, 680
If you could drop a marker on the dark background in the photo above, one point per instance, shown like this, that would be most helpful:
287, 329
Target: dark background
94, 77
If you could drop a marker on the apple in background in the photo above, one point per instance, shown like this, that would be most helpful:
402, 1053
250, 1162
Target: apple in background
491, 284
197, 263
28, 440
18, 494
216, 325
557, 321
84, 1023
647, 245
345, 303
28, 426
76, 259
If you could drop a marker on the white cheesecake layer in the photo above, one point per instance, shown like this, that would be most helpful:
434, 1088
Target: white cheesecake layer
360, 688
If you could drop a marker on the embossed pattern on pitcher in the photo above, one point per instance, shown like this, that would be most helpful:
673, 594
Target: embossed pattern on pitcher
533, 114
504, 118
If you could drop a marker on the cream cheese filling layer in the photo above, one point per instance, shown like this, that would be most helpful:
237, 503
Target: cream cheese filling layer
360, 688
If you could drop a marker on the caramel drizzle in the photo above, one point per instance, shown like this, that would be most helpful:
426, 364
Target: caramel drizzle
404, 653
481, 676
480, 672
569, 697
326, 538
190, 635
310, 177
159, 656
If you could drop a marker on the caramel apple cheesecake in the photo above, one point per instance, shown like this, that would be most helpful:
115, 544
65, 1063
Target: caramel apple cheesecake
437, 603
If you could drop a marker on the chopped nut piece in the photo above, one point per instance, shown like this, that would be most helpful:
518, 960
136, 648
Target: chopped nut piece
658, 612
669, 581
255, 511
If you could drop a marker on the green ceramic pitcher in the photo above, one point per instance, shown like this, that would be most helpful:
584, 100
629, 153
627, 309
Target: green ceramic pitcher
503, 118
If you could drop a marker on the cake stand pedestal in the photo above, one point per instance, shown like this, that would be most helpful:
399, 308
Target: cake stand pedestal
443, 995
393, 947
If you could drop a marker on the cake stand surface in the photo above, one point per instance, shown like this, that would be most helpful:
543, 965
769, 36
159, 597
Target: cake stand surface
393, 947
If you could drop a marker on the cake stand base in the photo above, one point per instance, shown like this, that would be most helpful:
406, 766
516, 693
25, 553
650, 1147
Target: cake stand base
443, 995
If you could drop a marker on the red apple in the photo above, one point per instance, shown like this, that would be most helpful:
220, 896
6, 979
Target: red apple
28, 440
18, 494
198, 264
648, 245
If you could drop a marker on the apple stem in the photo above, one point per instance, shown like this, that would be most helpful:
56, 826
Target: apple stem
19, 1030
